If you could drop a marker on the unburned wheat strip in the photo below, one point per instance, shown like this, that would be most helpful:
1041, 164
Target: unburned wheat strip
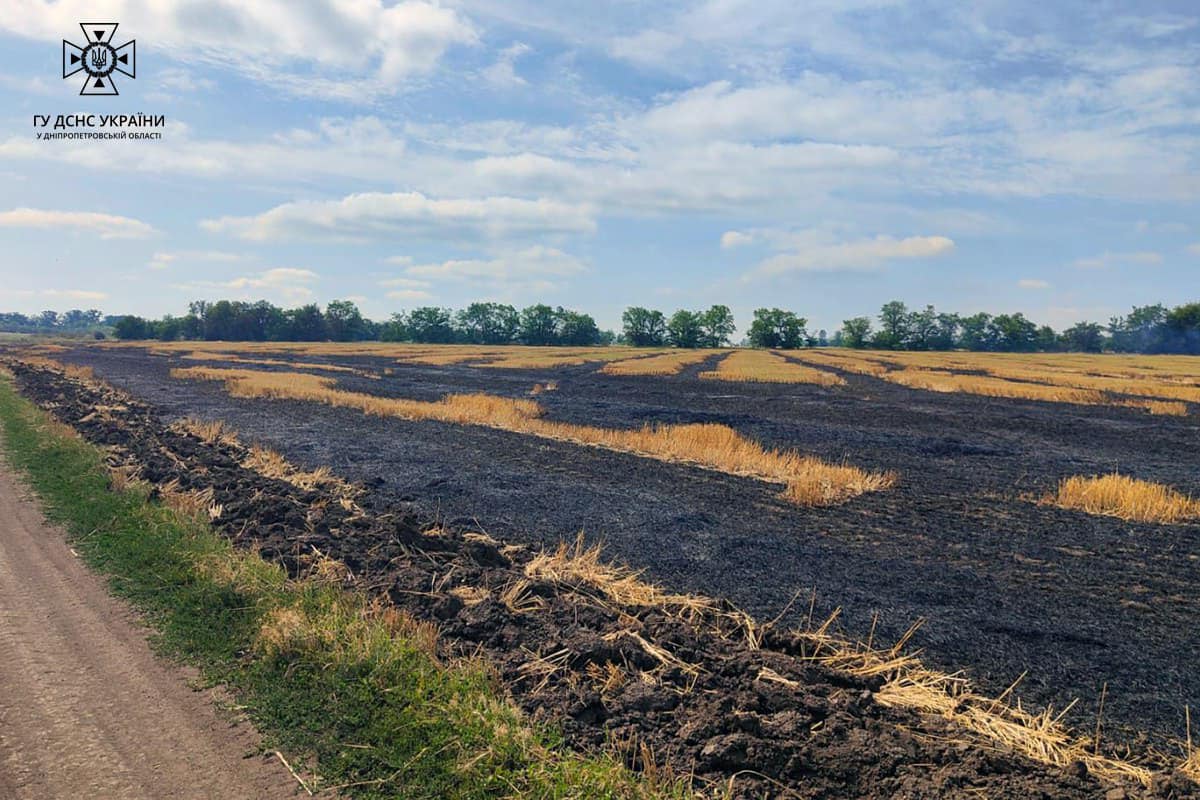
807, 480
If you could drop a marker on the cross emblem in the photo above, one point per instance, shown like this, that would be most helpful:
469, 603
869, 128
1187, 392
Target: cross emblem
98, 59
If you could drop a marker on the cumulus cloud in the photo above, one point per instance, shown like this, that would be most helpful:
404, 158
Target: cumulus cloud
163, 259
731, 239
817, 253
538, 266
408, 294
289, 283
815, 106
405, 288
1110, 259
377, 215
503, 72
363, 147
1033, 283
305, 47
106, 226
404, 283
75, 294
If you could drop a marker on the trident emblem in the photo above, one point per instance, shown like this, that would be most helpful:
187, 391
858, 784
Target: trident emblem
99, 59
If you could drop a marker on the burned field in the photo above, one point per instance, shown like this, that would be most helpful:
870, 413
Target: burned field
1007, 585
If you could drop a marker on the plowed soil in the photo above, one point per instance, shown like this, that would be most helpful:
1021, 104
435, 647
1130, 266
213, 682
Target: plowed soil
1007, 586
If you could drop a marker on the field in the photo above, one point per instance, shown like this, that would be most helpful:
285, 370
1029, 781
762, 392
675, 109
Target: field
874, 489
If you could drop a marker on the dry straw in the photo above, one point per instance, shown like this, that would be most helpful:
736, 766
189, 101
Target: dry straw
807, 479
1125, 497
998, 722
765, 366
664, 364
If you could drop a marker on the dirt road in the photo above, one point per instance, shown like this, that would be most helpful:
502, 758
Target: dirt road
86, 709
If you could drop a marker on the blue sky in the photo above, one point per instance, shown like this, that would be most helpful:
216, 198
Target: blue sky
1001, 156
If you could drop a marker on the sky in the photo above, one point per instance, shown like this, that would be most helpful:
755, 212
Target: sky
996, 155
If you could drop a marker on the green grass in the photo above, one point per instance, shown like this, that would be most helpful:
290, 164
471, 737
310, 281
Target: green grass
354, 691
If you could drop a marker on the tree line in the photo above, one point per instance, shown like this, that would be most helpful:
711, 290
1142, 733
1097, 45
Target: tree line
341, 321
75, 321
1146, 329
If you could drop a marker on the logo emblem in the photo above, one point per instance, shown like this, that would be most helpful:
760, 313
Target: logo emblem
99, 59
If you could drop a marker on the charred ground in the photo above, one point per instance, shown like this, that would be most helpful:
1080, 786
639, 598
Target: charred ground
1006, 586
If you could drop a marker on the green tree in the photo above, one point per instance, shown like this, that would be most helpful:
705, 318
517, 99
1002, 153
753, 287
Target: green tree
395, 329
946, 335
305, 324
977, 332
923, 329
575, 329
219, 319
644, 327
191, 327
685, 329
1014, 333
489, 323
343, 321
716, 326
856, 332
1086, 337
431, 325
168, 329
130, 327
1142, 331
1047, 339
1181, 329
894, 326
539, 325
776, 329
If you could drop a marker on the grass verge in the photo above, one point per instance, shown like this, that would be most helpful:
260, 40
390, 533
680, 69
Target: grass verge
353, 689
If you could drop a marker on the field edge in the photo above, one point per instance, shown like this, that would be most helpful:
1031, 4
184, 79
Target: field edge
307, 659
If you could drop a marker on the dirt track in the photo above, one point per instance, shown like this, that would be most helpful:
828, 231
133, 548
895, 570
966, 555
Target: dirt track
87, 710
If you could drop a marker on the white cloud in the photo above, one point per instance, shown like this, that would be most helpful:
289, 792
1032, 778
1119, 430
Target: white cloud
382, 215
1110, 259
408, 294
406, 288
404, 283
107, 226
288, 283
1033, 283
1146, 226
537, 266
503, 72
364, 148
75, 294
814, 251
1194, 249
312, 47
731, 239
163, 260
